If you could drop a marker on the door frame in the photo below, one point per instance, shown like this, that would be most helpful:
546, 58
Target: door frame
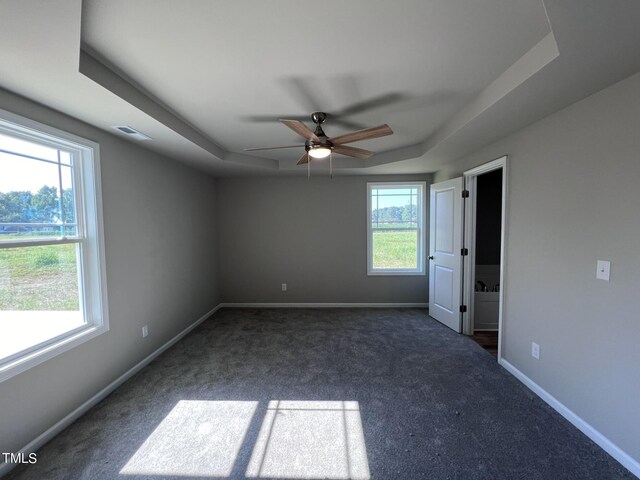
469, 239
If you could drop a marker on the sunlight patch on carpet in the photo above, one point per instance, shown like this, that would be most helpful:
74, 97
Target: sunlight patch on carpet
197, 438
310, 440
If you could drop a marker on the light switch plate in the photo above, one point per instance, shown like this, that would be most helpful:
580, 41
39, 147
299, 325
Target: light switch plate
603, 269
535, 350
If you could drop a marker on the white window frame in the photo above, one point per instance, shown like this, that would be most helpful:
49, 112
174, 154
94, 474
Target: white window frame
420, 270
90, 240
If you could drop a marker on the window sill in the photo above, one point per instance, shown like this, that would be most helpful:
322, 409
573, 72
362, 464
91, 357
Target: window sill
395, 273
11, 367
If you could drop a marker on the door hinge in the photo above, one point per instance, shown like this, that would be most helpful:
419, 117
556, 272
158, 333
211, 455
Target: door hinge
463, 308
464, 252
465, 193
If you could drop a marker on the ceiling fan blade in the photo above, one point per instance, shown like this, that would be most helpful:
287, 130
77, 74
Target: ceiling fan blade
272, 148
301, 129
372, 103
352, 151
274, 118
305, 91
333, 119
348, 124
366, 134
303, 159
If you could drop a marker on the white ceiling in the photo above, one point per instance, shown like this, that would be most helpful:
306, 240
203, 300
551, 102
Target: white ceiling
207, 79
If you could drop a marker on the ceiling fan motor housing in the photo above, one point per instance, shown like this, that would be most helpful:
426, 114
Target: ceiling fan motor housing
318, 117
324, 142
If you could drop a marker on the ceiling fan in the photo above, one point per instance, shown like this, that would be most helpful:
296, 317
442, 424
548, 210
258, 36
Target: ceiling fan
317, 145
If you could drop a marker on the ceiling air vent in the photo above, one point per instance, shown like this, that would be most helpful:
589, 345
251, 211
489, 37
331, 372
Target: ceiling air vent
132, 132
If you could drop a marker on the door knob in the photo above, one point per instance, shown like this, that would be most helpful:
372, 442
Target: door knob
431, 257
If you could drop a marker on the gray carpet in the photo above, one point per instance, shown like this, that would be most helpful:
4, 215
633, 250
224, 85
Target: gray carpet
330, 393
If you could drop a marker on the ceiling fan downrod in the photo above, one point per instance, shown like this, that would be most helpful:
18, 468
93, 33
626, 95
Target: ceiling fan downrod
318, 118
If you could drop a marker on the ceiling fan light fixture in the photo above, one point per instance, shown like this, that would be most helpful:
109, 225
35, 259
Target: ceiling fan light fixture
319, 152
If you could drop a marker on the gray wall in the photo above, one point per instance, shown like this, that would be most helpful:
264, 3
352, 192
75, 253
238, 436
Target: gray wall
311, 235
160, 274
572, 199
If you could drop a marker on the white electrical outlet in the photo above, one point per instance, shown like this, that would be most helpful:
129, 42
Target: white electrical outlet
284, 287
603, 269
145, 331
535, 350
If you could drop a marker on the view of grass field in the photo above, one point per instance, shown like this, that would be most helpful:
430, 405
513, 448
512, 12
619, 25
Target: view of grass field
39, 278
394, 249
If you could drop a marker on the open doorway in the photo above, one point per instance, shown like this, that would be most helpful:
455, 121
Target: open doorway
487, 260
484, 264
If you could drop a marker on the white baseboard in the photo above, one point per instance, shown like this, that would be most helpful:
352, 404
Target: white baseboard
101, 395
324, 305
607, 445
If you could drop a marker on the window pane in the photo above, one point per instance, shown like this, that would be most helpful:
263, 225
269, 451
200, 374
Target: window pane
30, 202
38, 295
394, 208
25, 147
43, 278
395, 248
65, 158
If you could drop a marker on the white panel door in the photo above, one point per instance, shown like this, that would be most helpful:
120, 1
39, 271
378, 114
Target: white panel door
445, 260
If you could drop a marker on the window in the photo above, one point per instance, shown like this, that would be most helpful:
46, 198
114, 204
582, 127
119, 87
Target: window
52, 284
395, 217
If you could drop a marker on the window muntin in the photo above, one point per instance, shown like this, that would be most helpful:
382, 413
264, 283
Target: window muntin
52, 283
395, 213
